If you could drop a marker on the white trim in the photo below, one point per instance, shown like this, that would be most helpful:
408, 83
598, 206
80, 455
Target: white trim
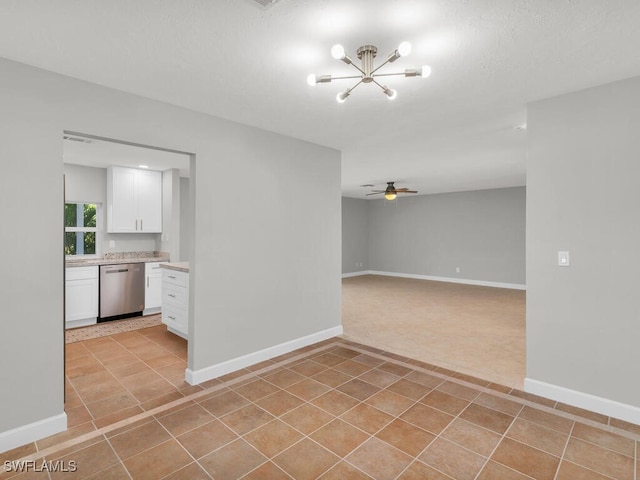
195, 377
32, 432
611, 408
356, 274
466, 281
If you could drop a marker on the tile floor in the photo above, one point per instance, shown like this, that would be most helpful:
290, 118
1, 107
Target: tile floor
334, 410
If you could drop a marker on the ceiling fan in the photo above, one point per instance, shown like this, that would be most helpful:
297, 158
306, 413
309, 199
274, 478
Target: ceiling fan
391, 192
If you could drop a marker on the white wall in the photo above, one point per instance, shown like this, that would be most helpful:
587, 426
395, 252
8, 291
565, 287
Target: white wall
481, 232
171, 206
355, 235
265, 261
583, 321
89, 184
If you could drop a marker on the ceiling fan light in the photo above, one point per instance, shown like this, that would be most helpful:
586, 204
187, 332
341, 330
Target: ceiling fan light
425, 71
404, 49
337, 52
390, 196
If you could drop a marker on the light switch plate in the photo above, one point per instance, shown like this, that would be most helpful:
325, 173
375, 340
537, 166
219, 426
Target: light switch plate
563, 259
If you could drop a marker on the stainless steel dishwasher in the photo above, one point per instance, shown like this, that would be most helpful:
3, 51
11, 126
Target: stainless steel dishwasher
121, 290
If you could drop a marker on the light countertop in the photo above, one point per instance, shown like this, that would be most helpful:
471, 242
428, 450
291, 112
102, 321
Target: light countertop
179, 266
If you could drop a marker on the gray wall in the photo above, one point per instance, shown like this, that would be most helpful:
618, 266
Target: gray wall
171, 206
481, 232
186, 227
89, 184
355, 235
583, 196
264, 269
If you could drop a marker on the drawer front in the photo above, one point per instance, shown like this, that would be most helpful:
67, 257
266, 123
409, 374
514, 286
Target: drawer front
174, 295
176, 318
174, 277
81, 273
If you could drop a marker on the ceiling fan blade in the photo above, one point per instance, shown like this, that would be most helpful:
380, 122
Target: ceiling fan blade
374, 193
409, 191
402, 189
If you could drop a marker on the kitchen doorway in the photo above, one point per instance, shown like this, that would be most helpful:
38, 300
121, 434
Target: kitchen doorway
125, 360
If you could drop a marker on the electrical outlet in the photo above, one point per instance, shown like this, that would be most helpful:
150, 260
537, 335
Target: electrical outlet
457, 269
112, 243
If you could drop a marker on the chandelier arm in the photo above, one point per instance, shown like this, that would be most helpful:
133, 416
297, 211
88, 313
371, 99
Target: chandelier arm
389, 74
381, 86
381, 65
359, 69
352, 88
346, 78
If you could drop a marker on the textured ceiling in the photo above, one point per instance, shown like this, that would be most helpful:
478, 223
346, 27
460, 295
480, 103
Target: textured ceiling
239, 60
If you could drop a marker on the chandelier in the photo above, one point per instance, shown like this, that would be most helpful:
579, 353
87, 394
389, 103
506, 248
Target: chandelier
368, 74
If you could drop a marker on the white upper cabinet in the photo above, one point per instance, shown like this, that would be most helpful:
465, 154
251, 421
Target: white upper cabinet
134, 200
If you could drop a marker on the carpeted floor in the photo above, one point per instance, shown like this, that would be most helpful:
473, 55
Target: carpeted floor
474, 330
111, 328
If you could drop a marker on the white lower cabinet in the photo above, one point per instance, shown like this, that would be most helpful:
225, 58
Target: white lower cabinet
175, 301
152, 287
81, 296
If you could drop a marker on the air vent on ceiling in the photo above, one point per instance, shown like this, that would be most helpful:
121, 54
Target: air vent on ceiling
76, 139
265, 3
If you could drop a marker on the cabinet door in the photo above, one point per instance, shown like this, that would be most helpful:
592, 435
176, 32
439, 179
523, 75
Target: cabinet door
122, 201
149, 190
153, 292
81, 299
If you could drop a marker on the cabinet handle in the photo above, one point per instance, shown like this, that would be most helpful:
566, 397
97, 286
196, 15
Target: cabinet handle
140, 224
147, 281
172, 276
172, 295
171, 317
136, 224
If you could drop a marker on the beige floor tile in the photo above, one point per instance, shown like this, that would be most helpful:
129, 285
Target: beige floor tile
207, 438
246, 419
453, 460
379, 460
526, 459
306, 460
307, 418
158, 461
279, 403
340, 437
599, 459
445, 402
534, 435
406, 437
273, 437
427, 418
472, 437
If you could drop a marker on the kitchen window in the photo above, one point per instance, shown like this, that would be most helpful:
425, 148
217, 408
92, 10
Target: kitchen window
81, 231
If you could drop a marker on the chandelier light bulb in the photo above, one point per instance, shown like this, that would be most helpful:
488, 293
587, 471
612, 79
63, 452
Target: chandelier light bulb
404, 49
311, 79
337, 52
390, 196
425, 71
390, 93
342, 96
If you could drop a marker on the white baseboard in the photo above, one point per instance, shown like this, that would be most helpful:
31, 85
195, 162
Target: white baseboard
195, 377
466, 281
32, 432
604, 406
355, 274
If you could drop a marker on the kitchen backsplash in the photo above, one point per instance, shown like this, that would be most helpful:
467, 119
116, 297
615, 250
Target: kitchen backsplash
162, 256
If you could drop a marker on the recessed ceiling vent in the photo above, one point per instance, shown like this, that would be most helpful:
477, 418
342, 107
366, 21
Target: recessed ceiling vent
266, 3
76, 139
